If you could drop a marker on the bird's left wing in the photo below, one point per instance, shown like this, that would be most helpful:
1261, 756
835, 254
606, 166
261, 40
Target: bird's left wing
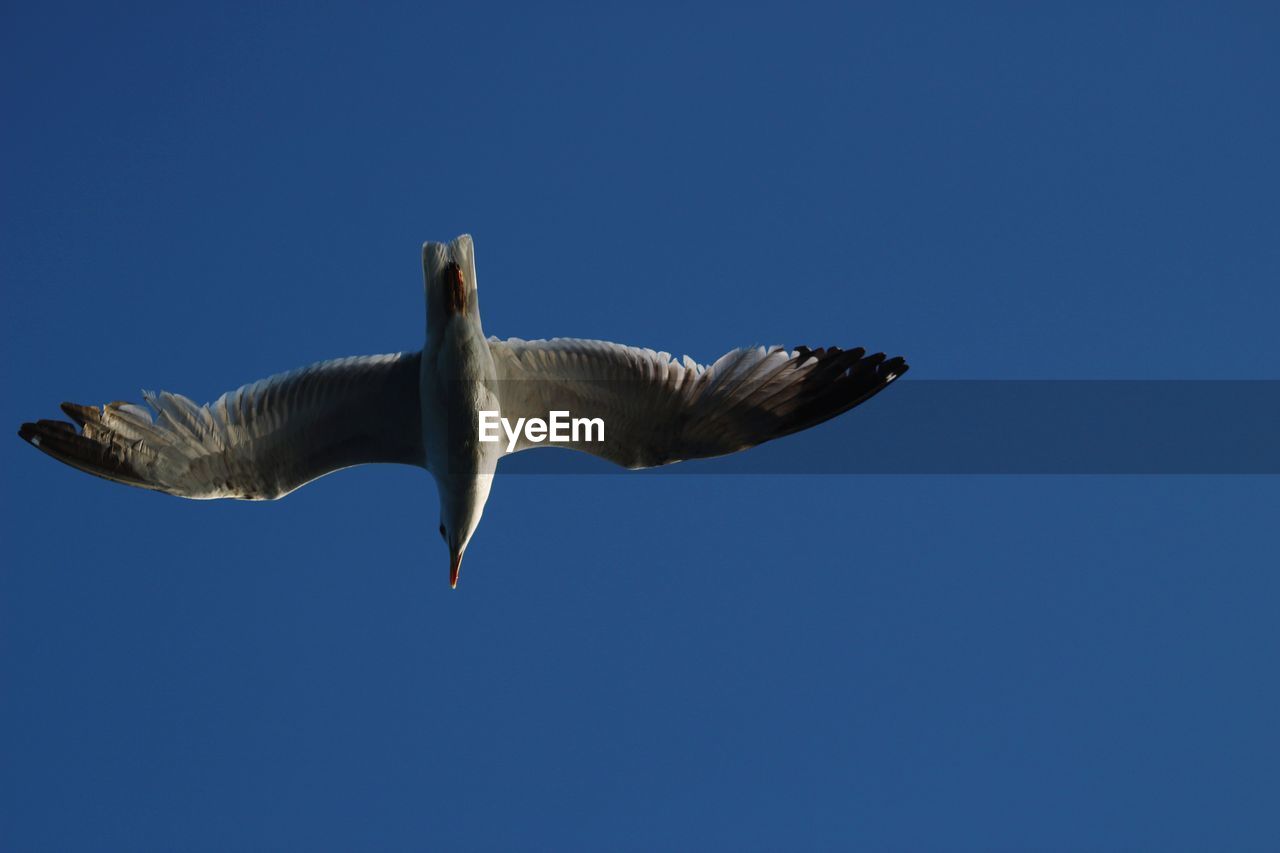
657, 410
258, 442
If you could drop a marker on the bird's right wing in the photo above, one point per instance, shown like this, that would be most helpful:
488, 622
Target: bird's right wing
656, 410
258, 442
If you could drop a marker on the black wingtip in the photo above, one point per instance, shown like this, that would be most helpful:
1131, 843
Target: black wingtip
35, 433
67, 444
840, 380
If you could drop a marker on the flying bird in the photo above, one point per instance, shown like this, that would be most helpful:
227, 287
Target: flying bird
265, 439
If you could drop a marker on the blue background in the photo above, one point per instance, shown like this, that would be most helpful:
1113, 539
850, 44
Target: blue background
195, 196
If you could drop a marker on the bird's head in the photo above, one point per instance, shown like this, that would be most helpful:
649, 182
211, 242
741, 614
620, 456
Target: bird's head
460, 511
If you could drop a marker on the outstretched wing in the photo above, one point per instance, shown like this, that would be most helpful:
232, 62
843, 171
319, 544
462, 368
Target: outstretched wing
258, 442
657, 410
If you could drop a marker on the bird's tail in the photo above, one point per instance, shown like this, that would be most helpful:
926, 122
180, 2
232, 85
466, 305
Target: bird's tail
449, 276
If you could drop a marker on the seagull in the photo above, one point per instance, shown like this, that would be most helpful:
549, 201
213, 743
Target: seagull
263, 440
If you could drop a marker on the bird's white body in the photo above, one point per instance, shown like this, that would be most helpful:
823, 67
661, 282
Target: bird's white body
459, 381
266, 439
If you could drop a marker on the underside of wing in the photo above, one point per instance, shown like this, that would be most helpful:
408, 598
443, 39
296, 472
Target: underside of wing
657, 410
258, 442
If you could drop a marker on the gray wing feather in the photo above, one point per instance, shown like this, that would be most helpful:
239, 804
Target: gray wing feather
258, 442
658, 410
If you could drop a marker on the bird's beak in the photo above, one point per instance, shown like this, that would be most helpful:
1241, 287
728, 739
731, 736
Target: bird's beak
455, 563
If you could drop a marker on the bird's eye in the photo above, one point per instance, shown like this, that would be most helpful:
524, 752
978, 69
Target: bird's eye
442, 536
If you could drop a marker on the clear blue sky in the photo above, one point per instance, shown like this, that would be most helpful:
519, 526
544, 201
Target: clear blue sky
197, 196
